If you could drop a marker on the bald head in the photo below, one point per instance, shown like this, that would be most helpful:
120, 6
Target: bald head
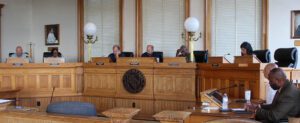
268, 68
277, 78
150, 49
19, 51
277, 73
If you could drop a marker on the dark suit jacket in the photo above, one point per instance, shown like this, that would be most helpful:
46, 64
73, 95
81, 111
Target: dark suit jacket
145, 54
286, 104
113, 58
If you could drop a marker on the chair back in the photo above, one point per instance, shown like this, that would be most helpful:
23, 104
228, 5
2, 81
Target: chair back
49, 54
286, 57
10, 54
201, 56
127, 54
263, 55
159, 55
72, 108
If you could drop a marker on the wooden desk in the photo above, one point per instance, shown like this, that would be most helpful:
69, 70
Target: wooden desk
37, 80
121, 115
9, 93
200, 116
169, 86
39, 117
245, 76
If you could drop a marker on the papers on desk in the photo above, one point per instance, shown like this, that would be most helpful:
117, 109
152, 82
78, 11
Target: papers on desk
2, 101
210, 108
238, 109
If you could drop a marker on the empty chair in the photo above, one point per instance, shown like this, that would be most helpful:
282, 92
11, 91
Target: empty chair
201, 56
72, 108
286, 57
263, 55
234, 120
127, 54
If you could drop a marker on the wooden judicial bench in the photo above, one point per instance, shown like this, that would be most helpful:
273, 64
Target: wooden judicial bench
172, 85
169, 85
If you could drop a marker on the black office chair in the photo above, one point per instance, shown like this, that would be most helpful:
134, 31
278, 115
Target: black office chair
10, 54
127, 54
72, 108
201, 56
49, 54
263, 55
159, 55
286, 57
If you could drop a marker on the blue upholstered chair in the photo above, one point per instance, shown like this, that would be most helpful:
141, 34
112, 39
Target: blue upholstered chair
72, 108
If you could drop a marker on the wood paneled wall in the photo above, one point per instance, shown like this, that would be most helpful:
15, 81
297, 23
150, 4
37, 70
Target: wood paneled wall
38, 80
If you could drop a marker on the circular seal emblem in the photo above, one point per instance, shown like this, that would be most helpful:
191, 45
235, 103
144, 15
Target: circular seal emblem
134, 81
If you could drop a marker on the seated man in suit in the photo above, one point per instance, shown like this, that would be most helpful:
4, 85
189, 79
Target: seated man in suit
270, 92
19, 54
285, 103
116, 53
149, 52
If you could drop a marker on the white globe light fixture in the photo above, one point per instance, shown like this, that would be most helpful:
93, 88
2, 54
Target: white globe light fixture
90, 30
191, 25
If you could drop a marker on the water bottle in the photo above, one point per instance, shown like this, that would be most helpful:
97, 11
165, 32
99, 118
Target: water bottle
225, 101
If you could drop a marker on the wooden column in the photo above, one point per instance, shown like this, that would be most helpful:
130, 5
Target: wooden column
1, 6
80, 23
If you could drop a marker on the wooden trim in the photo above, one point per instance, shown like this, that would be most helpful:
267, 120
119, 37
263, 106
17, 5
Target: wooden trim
80, 23
139, 25
121, 7
187, 13
207, 26
265, 24
1, 6
80, 27
139, 28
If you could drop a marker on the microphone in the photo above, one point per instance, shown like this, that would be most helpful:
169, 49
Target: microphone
227, 54
232, 86
52, 94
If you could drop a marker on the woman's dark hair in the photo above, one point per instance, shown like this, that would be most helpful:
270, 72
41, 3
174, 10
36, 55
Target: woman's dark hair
248, 47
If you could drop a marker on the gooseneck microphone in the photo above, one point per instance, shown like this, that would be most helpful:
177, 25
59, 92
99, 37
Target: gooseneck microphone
232, 86
227, 54
52, 94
